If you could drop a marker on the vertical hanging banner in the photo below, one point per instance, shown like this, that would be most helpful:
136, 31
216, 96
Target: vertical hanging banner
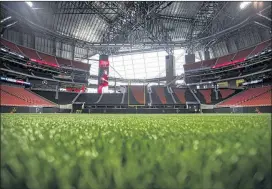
103, 74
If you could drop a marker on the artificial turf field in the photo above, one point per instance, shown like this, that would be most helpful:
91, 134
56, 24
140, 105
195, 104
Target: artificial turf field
76, 151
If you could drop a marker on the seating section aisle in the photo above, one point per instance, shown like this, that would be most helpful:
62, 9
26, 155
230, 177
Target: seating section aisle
63, 97
245, 95
27, 96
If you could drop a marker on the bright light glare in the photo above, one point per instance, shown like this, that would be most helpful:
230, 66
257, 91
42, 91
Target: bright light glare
5, 19
29, 3
244, 4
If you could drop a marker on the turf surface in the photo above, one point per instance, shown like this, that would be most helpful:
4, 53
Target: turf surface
74, 151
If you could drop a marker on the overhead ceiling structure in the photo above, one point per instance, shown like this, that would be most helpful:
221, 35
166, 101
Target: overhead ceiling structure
121, 27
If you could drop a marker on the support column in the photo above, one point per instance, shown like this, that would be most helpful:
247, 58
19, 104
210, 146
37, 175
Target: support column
33, 39
189, 58
73, 50
170, 68
57, 92
115, 85
54, 47
206, 54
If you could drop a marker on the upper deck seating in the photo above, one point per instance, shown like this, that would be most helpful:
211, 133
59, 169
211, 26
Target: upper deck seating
30, 53
13, 47
224, 60
259, 48
80, 65
64, 62
49, 60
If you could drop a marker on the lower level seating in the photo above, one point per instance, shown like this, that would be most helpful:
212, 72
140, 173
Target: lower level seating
207, 95
261, 100
244, 96
27, 96
63, 97
111, 99
180, 95
136, 95
226, 92
88, 98
10, 100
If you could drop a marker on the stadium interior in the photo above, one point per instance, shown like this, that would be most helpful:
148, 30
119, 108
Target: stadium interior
174, 57
135, 94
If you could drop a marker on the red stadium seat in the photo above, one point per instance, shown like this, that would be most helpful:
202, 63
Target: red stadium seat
50, 60
246, 95
192, 66
64, 62
180, 93
226, 93
224, 61
242, 55
207, 95
27, 96
138, 93
208, 63
262, 100
13, 47
161, 94
30, 53
259, 48
10, 100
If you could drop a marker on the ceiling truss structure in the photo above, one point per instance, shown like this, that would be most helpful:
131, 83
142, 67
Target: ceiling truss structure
140, 25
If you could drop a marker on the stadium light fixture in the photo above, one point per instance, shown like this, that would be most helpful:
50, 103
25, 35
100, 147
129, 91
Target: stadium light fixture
3, 20
244, 4
29, 3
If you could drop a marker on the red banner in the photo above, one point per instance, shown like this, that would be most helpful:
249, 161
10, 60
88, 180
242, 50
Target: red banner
103, 76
